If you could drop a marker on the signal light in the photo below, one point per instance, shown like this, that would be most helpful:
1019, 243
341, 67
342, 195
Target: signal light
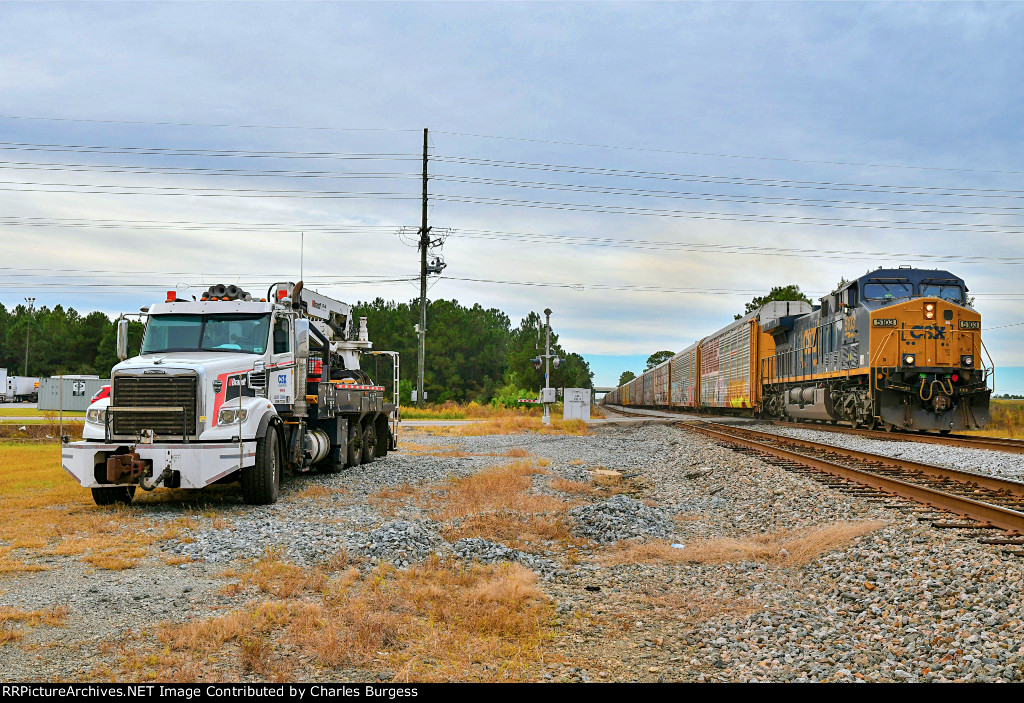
172, 296
955, 377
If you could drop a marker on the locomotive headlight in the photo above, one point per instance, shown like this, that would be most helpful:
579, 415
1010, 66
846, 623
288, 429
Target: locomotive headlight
929, 311
228, 416
908, 359
967, 360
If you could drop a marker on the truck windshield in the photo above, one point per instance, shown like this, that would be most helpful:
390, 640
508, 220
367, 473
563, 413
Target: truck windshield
887, 289
946, 291
229, 333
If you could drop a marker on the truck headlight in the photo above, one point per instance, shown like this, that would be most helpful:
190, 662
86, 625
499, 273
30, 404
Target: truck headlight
228, 416
96, 416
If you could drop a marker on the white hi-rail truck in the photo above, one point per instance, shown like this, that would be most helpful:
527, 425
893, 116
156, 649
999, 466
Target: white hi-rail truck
230, 388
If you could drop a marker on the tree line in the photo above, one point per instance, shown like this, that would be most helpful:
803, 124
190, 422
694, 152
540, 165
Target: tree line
472, 353
58, 341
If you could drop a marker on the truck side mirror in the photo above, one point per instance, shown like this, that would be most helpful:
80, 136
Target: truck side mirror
302, 338
122, 339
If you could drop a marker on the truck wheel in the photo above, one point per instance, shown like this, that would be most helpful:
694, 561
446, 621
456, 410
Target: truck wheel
261, 483
369, 443
113, 494
354, 453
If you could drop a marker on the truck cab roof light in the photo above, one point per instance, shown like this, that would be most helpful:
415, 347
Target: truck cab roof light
172, 296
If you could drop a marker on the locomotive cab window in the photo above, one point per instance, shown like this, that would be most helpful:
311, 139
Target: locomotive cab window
887, 289
950, 291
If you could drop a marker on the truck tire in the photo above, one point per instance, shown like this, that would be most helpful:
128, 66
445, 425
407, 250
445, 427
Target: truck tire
111, 495
261, 483
354, 452
369, 443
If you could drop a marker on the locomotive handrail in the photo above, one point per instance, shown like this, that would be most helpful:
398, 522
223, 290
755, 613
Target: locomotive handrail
992, 375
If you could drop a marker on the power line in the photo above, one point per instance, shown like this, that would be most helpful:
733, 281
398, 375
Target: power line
507, 138
746, 199
233, 153
730, 216
188, 171
499, 235
727, 180
729, 156
205, 124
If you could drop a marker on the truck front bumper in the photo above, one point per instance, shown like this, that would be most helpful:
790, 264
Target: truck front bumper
194, 465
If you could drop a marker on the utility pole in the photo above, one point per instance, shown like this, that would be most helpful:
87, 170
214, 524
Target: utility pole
424, 243
28, 326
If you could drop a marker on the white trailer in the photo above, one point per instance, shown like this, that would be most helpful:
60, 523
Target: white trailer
232, 388
23, 388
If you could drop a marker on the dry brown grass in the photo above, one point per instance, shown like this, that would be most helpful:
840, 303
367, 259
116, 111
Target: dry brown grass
599, 485
255, 655
54, 616
43, 511
498, 504
515, 452
504, 487
512, 529
789, 548
515, 424
439, 621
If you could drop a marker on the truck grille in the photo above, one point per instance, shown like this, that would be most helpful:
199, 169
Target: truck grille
164, 392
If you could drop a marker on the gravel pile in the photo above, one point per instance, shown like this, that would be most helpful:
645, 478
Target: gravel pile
487, 552
401, 542
302, 543
621, 517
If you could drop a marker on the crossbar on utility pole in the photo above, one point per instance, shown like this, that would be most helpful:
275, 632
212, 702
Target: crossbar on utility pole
424, 243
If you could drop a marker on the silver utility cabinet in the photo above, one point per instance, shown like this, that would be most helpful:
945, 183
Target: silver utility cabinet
576, 404
78, 391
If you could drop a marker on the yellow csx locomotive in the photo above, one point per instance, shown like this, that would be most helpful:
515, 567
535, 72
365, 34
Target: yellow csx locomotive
895, 348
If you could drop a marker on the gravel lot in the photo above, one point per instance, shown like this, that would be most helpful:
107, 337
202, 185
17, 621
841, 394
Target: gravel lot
906, 602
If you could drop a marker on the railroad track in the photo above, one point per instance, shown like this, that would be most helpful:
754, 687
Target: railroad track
985, 502
998, 444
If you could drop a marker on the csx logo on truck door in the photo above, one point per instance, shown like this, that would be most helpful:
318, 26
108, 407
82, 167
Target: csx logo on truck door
928, 332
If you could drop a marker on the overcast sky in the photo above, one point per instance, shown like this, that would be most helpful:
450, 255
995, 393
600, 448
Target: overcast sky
707, 151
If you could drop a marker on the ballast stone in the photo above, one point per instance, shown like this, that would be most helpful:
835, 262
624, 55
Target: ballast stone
621, 517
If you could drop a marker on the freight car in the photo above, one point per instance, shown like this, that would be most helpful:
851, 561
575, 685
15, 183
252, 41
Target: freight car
895, 348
